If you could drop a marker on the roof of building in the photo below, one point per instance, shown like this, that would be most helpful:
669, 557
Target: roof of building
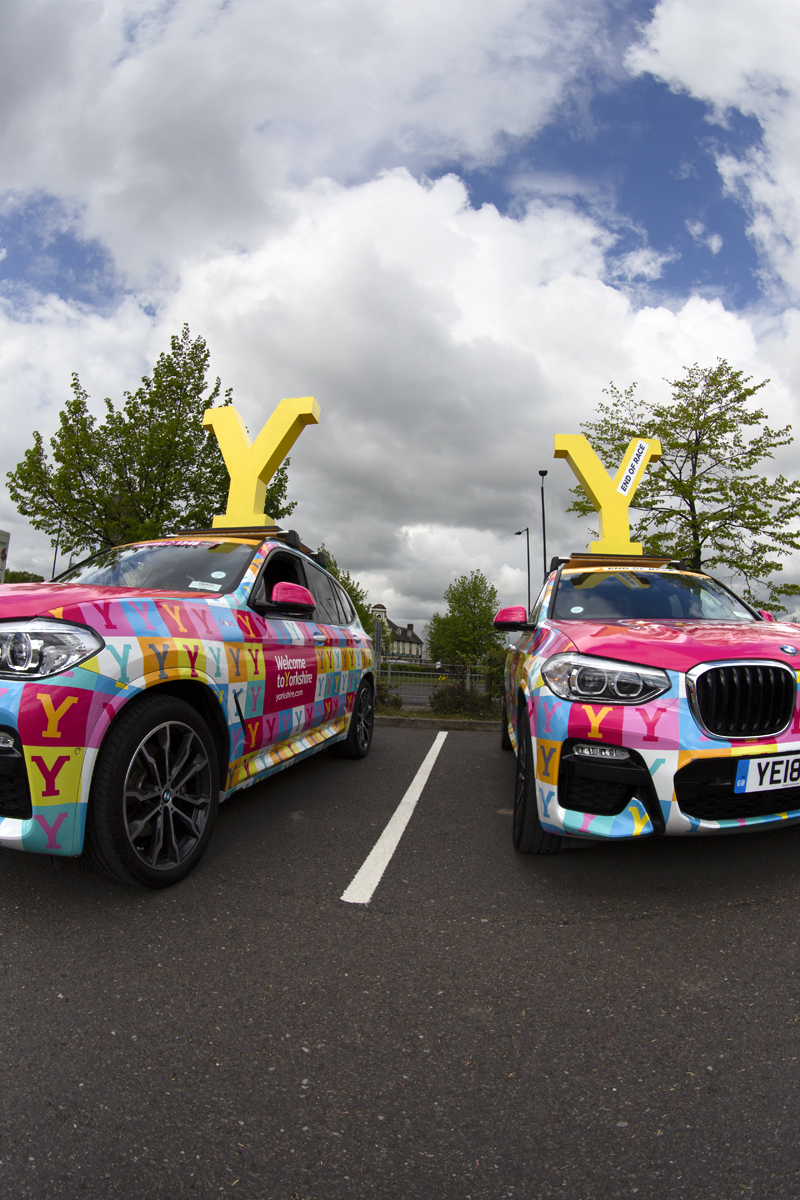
403, 633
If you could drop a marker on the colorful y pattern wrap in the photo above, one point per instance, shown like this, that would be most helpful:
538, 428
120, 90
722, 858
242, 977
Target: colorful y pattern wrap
284, 688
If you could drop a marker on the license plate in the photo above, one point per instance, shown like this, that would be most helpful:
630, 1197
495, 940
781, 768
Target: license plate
768, 774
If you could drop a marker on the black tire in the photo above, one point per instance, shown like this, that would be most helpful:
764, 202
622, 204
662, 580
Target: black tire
528, 835
155, 794
362, 721
505, 739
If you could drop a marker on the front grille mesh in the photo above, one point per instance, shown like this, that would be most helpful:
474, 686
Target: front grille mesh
595, 795
15, 797
746, 699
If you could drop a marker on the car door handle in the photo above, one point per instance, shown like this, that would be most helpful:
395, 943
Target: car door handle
319, 639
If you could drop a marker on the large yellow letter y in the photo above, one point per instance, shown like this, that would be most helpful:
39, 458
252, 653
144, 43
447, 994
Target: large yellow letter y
251, 465
609, 497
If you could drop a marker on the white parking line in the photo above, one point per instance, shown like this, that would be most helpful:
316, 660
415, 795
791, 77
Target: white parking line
369, 876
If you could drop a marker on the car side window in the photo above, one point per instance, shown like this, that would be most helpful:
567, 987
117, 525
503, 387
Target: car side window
345, 605
324, 591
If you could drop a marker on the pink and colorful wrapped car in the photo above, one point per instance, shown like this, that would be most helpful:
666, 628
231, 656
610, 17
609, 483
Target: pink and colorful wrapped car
644, 698
149, 683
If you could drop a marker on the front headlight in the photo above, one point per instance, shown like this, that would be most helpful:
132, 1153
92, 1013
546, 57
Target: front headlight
581, 677
33, 649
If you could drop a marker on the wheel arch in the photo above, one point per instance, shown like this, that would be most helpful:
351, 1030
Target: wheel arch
522, 699
206, 703
201, 698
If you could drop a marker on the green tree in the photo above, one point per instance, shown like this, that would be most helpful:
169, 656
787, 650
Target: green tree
22, 577
355, 591
705, 501
465, 633
147, 469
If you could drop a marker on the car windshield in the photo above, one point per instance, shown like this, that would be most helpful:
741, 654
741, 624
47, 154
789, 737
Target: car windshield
184, 566
647, 595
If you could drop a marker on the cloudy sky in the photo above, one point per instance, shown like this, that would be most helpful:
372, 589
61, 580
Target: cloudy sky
454, 222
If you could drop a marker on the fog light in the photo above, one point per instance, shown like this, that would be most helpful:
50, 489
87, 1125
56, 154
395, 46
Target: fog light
7, 745
600, 752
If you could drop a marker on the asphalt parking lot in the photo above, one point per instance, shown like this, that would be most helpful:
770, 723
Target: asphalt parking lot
620, 1021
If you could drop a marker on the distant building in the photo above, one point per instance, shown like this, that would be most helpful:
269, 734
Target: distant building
405, 643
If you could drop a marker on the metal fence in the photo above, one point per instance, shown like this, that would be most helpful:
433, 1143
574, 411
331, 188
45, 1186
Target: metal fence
414, 687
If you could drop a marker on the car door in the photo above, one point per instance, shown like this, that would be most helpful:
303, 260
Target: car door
335, 650
281, 697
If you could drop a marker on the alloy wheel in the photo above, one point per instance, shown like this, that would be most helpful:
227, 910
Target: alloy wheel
167, 795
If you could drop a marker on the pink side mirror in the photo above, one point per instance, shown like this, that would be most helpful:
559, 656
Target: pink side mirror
511, 618
762, 612
292, 595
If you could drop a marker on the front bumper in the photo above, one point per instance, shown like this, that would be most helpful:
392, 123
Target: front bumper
44, 785
677, 793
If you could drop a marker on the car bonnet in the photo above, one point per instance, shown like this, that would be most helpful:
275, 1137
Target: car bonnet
681, 645
21, 600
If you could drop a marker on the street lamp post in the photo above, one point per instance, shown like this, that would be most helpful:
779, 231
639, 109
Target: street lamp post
58, 539
528, 556
544, 529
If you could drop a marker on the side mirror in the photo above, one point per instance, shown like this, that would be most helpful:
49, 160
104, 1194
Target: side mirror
293, 596
768, 616
514, 619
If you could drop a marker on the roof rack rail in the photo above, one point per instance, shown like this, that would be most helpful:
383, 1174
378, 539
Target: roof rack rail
613, 560
273, 533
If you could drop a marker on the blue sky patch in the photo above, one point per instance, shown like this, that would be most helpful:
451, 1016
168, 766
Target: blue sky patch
42, 253
641, 160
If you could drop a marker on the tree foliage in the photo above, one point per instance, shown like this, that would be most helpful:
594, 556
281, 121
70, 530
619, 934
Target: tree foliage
22, 577
465, 633
705, 501
147, 469
355, 591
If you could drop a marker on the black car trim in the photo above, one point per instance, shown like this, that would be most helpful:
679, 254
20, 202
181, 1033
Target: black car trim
637, 774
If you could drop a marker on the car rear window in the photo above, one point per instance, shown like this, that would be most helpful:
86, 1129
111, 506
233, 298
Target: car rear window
211, 567
649, 595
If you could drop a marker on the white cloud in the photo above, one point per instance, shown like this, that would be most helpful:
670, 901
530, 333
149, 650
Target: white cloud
713, 241
446, 347
742, 54
644, 263
252, 166
172, 126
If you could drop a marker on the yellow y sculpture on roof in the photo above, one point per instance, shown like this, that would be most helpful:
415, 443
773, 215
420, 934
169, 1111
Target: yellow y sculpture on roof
251, 465
609, 497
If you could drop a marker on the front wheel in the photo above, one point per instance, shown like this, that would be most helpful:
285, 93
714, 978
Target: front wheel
528, 834
362, 720
155, 794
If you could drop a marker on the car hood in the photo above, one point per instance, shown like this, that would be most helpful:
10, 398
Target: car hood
681, 645
22, 600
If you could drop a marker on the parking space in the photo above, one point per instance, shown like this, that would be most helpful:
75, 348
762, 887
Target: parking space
618, 1021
